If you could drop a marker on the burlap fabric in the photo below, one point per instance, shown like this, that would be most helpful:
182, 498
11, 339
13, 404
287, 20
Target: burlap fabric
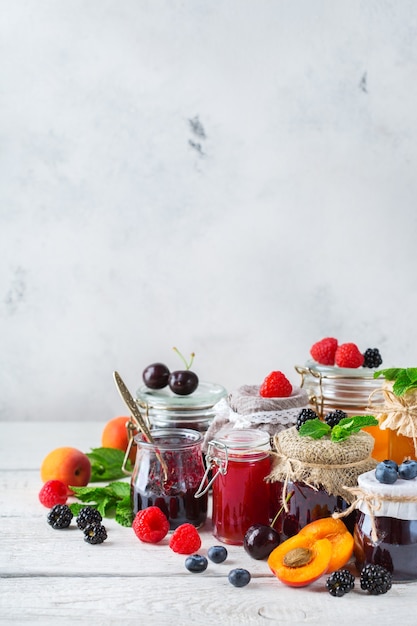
398, 413
245, 408
335, 466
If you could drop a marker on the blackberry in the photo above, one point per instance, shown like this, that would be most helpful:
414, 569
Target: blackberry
60, 516
340, 582
375, 579
305, 415
95, 533
88, 515
372, 358
334, 417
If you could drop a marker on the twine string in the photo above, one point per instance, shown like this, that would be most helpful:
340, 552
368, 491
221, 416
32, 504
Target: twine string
401, 415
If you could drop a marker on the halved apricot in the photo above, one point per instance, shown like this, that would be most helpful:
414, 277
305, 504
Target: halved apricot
336, 532
299, 560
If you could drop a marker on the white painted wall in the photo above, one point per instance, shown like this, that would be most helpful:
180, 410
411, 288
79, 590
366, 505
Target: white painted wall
236, 178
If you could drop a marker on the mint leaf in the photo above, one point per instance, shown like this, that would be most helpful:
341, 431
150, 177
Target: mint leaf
389, 374
314, 428
113, 500
106, 464
349, 425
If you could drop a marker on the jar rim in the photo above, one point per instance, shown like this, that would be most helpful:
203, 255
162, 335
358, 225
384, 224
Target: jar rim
170, 439
241, 439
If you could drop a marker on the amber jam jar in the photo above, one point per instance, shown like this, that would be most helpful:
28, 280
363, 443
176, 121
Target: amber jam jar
240, 462
347, 389
386, 527
165, 409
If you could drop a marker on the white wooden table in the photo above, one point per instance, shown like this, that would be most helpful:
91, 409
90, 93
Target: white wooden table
50, 576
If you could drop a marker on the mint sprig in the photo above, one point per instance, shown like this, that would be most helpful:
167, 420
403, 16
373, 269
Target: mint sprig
113, 500
317, 429
106, 464
404, 379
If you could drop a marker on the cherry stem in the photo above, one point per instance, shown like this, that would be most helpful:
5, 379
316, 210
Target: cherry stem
187, 365
287, 499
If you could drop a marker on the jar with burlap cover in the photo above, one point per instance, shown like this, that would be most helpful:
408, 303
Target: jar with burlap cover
321, 463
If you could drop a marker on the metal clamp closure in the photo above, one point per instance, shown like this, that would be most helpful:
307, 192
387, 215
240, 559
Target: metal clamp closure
213, 461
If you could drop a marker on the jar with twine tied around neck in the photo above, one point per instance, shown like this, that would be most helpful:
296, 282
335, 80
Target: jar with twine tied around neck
397, 415
385, 531
312, 477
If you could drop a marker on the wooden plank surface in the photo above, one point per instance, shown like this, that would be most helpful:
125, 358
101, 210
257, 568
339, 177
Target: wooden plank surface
49, 576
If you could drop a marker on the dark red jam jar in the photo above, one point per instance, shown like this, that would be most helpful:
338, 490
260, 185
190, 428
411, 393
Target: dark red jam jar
168, 473
386, 527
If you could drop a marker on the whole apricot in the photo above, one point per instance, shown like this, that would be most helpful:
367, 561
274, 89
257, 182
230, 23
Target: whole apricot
115, 435
69, 465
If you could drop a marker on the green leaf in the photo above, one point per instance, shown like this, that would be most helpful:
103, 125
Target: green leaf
124, 513
389, 374
340, 433
356, 422
119, 489
89, 494
106, 464
314, 428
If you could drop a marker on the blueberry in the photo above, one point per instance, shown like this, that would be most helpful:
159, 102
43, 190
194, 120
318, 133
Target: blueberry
386, 473
217, 554
408, 469
239, 577
391, 463
196, 563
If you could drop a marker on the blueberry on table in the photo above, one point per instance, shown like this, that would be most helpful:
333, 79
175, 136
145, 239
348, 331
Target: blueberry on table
239, 577
196, 563
408, 469
386, 473
217, 554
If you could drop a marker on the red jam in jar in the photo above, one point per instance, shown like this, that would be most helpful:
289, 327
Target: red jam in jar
241, 495
172, 490
392, 514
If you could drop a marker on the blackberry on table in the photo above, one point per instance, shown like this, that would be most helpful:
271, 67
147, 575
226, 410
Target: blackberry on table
88, 515
60, 516
340, 582
334, 417
372, 358
95, 533
305, 415
375, 579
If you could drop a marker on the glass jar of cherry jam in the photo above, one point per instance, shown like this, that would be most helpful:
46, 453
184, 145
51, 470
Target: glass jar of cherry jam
240, 462
167, 474
386, 527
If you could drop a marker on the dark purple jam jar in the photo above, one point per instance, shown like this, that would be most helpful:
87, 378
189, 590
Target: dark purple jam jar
386, 528
168, 473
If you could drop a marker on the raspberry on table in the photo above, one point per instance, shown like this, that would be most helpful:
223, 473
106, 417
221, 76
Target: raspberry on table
349, 355
275, 385
60, 516
95, 533
150, 525
185, 539
53, 492
324, 351
88, 515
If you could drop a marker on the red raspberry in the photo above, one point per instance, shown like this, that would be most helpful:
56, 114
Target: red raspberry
185, 539
324, 351
150, 525
275, 385
348, 355
53, 492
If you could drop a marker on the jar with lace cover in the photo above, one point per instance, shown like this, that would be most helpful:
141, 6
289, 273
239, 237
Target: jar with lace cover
310, 477
386, 527
246, 408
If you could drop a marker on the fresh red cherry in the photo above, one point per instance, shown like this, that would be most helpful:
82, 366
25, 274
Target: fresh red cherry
183, 382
